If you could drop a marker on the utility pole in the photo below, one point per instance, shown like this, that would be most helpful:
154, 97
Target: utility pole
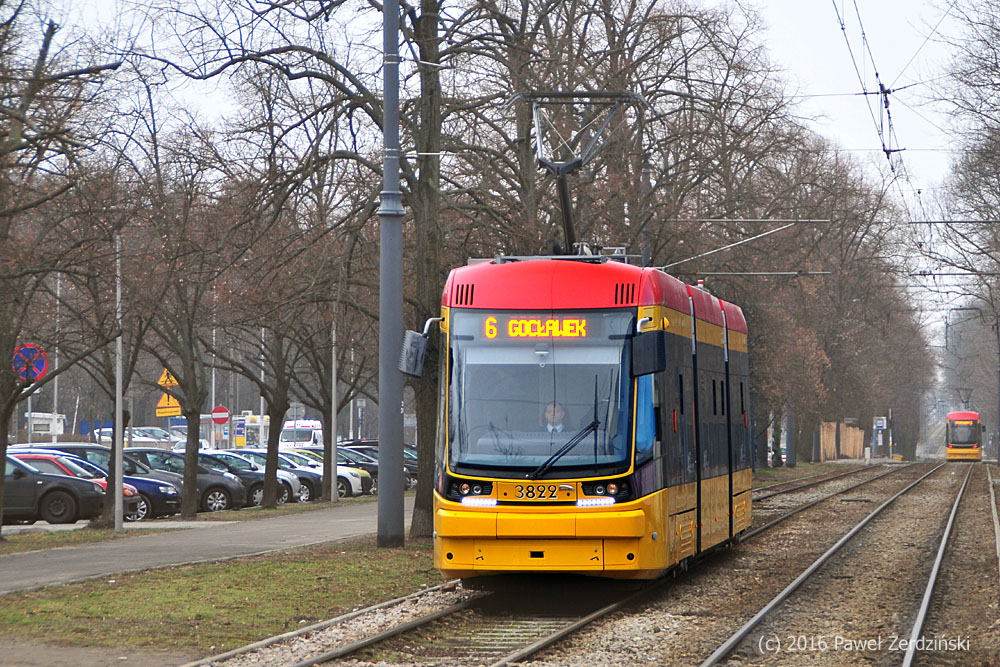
390, 301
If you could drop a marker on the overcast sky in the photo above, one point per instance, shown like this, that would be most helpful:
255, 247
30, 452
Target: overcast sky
805, 39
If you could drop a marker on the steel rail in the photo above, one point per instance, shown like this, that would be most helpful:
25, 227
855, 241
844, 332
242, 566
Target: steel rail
806, 485
315, 627
549, 640
993, 506
819, 475
347, 649
731, 643
773, 522
918, 623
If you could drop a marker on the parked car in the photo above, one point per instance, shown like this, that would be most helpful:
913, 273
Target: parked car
346, 457
160, 434
217, 491
348, 479
179, 435
310, 481
156, 498
367, 482
61, 464
370, 448
249, 473
105, 436
30, 495
100, 456
288, 479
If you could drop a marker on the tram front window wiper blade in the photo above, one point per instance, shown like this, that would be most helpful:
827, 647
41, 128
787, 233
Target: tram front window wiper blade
570, 444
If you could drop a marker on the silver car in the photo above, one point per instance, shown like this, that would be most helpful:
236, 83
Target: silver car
259, 457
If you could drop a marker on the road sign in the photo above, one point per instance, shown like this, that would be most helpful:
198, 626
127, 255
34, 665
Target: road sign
166, 379
880, 423
168, 407
220, 415
30, 362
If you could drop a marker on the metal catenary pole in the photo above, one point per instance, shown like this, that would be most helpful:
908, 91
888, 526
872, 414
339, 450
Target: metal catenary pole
119, 416
390, 380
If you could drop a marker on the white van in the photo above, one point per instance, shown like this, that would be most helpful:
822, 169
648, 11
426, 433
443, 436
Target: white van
301, 433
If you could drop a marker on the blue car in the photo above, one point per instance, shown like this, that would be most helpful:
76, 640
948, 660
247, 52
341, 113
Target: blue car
156, 498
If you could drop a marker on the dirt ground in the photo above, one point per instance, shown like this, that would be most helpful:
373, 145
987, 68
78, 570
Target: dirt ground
32, 655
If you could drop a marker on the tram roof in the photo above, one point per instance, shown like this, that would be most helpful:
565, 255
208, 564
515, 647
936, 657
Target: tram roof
572, 283
963, 414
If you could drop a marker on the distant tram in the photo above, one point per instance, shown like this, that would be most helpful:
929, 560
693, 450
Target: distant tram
593, 419
964, 437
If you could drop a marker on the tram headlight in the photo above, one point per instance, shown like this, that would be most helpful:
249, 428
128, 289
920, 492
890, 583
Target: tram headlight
459, 489
599, 489
612, 489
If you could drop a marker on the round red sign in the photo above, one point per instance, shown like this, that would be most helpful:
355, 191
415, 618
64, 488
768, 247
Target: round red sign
220, 415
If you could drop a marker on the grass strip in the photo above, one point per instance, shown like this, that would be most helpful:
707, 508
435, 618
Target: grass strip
210, 608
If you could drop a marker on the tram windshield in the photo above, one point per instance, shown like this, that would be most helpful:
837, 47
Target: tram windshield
543, 393
964, 432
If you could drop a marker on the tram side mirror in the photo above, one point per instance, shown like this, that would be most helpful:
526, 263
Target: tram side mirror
411, 357
649, 353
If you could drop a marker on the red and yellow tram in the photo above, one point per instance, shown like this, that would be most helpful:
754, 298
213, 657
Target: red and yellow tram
964, 437
594, 419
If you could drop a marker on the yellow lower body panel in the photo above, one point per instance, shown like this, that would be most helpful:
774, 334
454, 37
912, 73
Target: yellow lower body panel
636, 540
606, 557
963, 454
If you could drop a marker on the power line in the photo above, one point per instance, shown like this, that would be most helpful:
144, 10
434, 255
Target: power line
752, 273
727, 247
926, 39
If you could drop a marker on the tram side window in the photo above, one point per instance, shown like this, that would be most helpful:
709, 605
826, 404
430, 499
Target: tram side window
645, 419
688, 463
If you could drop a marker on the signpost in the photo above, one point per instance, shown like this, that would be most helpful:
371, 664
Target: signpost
30, 362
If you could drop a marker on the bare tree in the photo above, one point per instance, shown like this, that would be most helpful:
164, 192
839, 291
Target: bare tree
48, 89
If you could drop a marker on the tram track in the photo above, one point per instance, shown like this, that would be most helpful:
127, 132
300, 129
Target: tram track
424, 637
764, 492
859, 600
967, 590
684, 623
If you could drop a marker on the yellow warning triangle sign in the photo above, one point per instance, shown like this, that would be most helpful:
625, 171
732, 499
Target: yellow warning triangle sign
167, 380
168, 406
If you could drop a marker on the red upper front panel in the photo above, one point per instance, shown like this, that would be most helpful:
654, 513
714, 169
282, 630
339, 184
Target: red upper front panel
542, 284
963, 415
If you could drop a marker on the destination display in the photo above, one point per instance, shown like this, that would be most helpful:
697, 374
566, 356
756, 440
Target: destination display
536, 328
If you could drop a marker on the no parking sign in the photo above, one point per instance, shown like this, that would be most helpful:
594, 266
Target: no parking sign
30, 362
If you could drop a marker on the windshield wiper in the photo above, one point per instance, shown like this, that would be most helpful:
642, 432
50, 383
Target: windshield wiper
570, 444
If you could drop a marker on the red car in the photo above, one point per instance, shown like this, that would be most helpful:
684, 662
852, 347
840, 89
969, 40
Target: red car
55, 464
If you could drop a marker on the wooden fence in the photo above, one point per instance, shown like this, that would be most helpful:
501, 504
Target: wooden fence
852, 441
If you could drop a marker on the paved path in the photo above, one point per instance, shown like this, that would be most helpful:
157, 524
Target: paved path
206, 541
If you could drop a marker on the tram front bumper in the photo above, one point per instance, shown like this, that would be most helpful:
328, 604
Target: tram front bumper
479, 542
